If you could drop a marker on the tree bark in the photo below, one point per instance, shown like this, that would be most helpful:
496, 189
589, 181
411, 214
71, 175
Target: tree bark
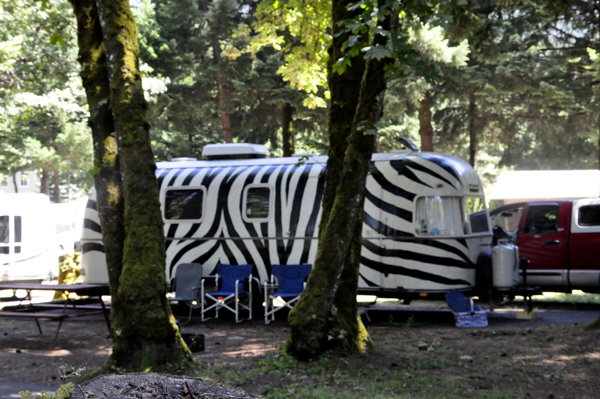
315, 320
425, 128
345, 92
472, 133
45, 183
16, 185
287, 131
107, 176
56, 193
221, 93
145, 334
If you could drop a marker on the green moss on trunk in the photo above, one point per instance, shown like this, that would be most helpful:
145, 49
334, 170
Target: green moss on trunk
316, 323
145, 335
94, 75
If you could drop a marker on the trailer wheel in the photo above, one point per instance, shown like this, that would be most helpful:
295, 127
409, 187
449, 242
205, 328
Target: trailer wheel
483, 271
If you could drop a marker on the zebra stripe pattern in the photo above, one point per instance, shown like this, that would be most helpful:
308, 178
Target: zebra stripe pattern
393, 255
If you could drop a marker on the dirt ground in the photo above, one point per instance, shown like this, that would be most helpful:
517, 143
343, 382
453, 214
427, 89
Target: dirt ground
542, 361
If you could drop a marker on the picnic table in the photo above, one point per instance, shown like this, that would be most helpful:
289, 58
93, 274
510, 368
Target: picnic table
60, 311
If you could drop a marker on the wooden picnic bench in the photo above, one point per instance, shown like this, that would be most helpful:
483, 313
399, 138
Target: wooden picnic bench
56, 311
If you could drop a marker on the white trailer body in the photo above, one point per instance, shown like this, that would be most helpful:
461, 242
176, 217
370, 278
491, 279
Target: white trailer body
424, 226
28, 243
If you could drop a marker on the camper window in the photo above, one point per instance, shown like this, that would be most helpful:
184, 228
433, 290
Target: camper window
257, 201
589, 215
439, 216
184, 204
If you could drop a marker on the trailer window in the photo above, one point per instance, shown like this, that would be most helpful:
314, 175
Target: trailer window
257, 203
439, 216
184, 204
589, 215
542, 219
17, 234
476, 214
4, 236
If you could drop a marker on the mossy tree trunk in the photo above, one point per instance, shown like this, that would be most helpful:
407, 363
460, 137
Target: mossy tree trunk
109, 196
326, 315
345, 92
145, 335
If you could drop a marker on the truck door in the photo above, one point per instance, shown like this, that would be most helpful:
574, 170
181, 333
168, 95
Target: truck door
544, 241
584, 245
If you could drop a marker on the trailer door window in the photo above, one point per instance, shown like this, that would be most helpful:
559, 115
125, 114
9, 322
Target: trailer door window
4, 236
257, 203
184, 204
439, 216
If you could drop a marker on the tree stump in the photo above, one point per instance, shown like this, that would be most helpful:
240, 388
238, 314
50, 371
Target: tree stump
153, 385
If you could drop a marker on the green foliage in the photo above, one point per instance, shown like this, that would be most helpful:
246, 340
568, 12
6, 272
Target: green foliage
42, 106
188, 43
64, 392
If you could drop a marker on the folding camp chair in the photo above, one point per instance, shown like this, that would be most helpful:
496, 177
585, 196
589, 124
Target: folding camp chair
466, 313
289, 287
187, 283
233, 280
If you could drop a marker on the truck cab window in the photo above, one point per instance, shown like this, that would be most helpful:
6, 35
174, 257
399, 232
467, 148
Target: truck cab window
439, 216
183, 204
589, 215
257, 203
542, 219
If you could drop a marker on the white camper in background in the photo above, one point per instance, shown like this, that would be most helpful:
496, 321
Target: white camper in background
425, 223
28, 244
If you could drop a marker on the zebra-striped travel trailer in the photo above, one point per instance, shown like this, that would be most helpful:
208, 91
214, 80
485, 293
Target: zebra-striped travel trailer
425, 221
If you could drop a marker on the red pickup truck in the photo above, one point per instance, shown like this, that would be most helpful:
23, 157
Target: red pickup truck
561, 239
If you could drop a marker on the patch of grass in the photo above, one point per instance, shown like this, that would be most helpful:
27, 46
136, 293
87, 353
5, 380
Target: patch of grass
575, 297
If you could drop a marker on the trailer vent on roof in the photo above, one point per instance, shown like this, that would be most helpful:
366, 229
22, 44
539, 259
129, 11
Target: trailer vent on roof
183, 159
215, 152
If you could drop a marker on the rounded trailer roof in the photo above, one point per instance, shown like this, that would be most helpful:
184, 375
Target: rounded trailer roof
453, 168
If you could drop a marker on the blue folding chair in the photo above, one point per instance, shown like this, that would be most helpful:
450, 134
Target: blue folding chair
291, 280
187, 283
233, 281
